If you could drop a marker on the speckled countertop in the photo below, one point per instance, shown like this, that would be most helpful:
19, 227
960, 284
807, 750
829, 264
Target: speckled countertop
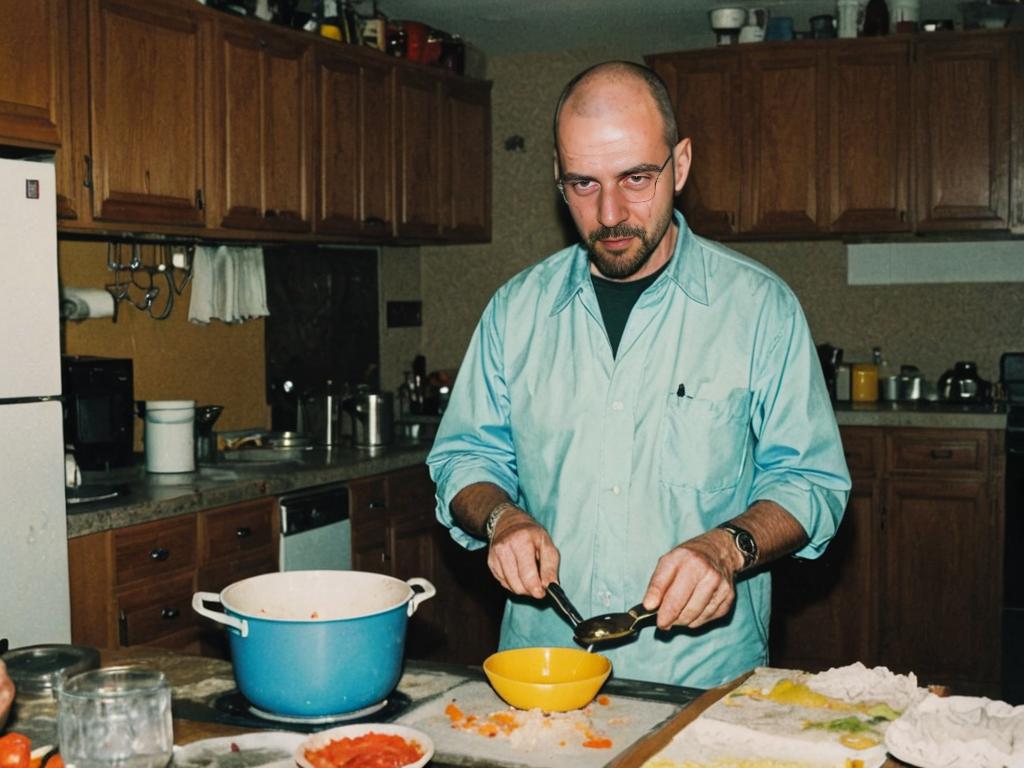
922, 413
262, 472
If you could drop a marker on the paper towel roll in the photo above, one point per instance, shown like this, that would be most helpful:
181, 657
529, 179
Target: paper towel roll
84, 303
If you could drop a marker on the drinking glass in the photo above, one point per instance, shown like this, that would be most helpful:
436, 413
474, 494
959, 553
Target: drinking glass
117, 717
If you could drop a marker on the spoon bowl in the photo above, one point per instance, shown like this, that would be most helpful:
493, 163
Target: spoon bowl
611, 626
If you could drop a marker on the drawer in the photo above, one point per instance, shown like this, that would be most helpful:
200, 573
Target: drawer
214, 577
149, 613
924, 450
862, 448
154, 549
238, 529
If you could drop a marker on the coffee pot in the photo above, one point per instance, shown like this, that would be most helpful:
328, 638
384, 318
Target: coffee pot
962, 384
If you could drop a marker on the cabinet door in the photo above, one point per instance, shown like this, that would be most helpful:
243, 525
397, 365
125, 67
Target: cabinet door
355, 175
466, 161
263, 170
940, 594
418, 123
368, 513
146, 92
823, 611
962, 110
785, 100
31, 48
705, 91
869, 126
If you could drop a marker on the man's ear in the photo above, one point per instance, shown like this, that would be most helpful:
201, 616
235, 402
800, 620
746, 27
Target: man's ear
554, 160
681, 155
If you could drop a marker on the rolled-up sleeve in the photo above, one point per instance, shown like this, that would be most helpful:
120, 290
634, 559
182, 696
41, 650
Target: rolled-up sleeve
798, 458
474, 440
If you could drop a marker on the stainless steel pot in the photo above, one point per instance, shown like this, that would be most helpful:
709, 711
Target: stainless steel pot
372, 419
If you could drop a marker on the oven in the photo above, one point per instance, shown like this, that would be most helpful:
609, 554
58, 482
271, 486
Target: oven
1011, 376
316, 533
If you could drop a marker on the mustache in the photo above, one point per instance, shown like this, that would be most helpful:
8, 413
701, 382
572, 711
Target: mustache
615, 233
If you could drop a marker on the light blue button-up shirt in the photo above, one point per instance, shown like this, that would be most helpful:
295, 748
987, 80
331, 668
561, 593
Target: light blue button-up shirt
618, 467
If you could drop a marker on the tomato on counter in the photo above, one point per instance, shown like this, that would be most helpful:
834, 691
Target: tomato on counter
371, 750
15, 751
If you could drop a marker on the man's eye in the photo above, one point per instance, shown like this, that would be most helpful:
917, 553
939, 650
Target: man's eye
636, 180
583, 186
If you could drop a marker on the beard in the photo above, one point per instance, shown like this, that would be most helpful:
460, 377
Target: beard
621, 266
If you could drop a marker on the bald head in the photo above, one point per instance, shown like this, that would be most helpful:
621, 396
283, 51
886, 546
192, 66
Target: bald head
598, 90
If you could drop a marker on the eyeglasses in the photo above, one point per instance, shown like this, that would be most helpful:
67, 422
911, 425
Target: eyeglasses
637, 185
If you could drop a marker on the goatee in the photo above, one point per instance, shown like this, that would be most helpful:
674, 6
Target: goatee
625, 265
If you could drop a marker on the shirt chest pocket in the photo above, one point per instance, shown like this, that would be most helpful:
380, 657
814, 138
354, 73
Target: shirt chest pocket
705, 441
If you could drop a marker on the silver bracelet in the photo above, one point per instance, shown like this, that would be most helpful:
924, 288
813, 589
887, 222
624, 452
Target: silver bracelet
494, 516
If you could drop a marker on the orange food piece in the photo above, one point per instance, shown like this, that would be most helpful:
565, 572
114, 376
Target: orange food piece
454, 713
603, 700
371, 750
598, 743
15, 751
58, 762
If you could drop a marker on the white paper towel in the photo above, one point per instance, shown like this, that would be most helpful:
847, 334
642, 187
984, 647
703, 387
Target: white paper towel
85, 303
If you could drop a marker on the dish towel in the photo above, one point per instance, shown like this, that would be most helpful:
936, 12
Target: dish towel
228, 284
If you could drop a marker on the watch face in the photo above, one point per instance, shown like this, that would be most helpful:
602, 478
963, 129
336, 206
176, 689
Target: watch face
746, 543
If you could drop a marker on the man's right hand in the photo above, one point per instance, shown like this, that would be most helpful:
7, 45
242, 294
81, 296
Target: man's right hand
522, 556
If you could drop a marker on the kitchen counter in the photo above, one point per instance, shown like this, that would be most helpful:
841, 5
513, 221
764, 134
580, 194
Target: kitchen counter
921, 413
246, 474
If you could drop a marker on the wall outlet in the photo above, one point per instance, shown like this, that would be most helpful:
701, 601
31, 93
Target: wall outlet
405, 314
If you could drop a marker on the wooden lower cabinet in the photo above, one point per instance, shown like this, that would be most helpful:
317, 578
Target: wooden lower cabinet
134, 585
912, 580
395, 532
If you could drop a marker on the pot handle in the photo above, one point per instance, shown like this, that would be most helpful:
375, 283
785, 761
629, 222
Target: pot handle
422, 590
238, 626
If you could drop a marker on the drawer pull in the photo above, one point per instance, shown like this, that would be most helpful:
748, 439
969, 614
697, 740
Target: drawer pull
941, 453
159, 554
169, 613
244, 532
378, 505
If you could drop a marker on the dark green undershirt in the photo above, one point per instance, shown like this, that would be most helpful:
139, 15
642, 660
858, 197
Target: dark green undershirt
616, 300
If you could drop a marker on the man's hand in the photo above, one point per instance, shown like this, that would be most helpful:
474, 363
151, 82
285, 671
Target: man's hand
522, 556
6, 694
693, 583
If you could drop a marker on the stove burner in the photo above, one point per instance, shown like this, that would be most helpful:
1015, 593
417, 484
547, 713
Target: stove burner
234, 709
341, 717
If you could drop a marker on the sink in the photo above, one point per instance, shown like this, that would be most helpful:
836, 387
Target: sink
264, 456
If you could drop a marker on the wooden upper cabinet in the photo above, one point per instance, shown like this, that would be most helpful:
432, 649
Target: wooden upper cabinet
146, 99
262, 133
466, 161
962, 108
355, 154
869, 142
417, 138
785, 146
32, 44
705, 89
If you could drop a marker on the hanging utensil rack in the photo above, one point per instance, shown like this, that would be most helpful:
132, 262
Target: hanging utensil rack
145, 274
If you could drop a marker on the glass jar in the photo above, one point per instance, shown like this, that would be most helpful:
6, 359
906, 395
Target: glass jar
864, 383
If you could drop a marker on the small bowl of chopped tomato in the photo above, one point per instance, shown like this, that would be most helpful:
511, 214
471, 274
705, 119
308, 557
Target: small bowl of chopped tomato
366, 745
551, 679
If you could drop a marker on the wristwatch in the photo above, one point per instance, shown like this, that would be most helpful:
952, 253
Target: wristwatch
744, 542
492, 519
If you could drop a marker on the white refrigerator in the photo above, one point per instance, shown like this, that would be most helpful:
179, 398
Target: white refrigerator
34, 601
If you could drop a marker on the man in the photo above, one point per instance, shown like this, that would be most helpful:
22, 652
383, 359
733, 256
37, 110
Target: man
625, 397
6, 694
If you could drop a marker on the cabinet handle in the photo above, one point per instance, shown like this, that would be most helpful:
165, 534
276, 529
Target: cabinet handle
384, 557
941, 453
122, 628
159, 554
378, 505
244, 532
87, 182
903, 217
373, 221
169, 613
270, 213
200, 199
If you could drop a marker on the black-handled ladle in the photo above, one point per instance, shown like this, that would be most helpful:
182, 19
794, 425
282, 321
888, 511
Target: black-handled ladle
560, 599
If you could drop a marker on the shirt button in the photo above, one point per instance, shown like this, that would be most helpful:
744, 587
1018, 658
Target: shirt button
617, 405
616, 490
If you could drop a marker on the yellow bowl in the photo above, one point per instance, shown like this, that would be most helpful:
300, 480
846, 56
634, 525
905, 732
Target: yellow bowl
551, 679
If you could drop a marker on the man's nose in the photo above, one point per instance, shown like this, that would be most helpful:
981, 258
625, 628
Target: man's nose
611, 206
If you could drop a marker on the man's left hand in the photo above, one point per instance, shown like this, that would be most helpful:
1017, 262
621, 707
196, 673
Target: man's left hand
693, 583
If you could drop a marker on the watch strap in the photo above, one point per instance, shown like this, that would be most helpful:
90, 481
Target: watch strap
744, 541
494, 515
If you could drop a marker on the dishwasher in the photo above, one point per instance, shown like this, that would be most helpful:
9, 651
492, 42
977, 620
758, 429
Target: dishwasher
316, 533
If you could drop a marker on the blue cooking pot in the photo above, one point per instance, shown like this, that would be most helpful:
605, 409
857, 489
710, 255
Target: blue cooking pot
316, 643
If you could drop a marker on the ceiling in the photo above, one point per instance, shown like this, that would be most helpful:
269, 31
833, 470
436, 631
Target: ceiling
501, 27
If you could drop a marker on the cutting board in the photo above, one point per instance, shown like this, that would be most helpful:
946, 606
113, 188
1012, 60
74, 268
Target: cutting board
623, 719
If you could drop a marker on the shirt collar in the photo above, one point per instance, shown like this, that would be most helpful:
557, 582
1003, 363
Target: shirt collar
686, 269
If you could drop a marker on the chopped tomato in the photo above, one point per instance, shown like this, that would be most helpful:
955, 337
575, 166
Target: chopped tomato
598, 743
55, 762
15, 751
371, 750
454, 713
603, 700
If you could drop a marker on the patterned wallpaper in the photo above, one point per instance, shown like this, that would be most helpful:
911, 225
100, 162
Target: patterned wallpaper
930, 326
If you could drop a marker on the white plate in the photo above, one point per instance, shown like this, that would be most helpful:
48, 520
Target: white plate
321, 739
264, 749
